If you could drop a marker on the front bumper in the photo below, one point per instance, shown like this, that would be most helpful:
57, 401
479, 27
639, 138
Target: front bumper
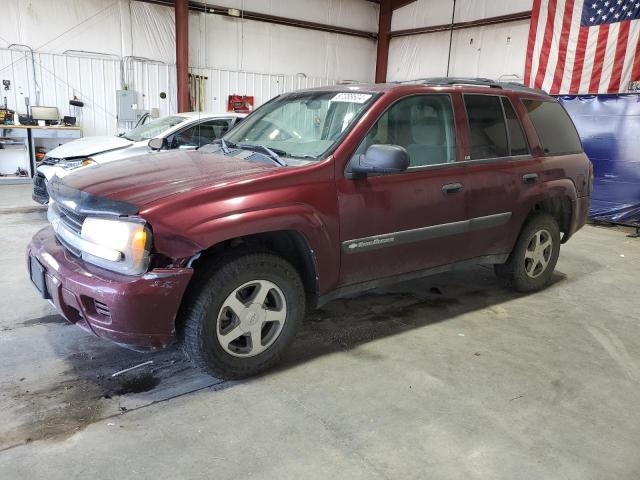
137, 311
40, 193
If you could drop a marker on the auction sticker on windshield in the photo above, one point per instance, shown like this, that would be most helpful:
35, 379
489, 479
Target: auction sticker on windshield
351, 97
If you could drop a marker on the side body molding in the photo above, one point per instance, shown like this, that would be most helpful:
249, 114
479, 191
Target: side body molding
426, 233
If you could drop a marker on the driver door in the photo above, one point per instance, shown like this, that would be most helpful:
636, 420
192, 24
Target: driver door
394, 224
200, 134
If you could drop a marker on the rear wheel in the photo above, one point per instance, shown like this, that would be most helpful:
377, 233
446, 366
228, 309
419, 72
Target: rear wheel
534, 257
244, 313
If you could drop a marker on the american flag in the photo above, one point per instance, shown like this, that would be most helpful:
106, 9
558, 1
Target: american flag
583, 47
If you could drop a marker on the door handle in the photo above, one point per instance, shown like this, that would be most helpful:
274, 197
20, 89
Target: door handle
530, 178
450, 188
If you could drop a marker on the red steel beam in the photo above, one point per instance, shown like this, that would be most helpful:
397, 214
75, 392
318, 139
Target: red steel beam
182, 53
396, 4
384, 28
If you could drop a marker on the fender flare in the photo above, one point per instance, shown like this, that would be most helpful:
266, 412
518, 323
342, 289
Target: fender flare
298, 218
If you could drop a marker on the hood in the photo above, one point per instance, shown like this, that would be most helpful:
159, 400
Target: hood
84, 147
143, 179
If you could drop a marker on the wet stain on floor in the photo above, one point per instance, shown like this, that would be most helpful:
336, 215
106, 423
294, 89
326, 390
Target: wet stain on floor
138, 384
47, 319
86, 391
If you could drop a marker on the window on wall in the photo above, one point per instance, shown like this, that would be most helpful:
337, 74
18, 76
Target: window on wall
487, 130
555, 129
423, 124
517, 141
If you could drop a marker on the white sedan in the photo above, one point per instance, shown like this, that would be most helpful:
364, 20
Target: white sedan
183, 131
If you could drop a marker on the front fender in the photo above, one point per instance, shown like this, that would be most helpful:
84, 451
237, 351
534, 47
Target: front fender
300, 218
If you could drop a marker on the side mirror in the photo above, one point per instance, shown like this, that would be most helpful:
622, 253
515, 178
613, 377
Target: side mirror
158, 143
383, 159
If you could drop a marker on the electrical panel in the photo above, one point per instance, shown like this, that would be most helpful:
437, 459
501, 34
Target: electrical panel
127, 105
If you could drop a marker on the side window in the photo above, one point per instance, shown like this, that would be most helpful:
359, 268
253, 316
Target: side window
487, 130
555, 129
423, 124
517, 140
200, 134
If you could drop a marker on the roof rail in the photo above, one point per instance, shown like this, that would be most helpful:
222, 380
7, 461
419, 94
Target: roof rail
521, 88
483, 82
474, 81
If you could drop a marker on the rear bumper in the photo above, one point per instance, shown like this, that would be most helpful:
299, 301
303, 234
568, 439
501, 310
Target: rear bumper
579, 216
137, 311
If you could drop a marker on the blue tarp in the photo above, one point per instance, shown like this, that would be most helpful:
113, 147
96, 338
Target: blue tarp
609, 126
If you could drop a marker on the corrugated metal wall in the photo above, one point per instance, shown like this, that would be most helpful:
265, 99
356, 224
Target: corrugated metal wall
94, 80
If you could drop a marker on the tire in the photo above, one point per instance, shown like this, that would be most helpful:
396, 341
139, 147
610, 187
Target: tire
525, 270
226, 301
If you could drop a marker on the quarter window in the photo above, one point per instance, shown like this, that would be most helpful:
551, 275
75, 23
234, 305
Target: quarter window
517, 142
488, 134
423, 124
555, 129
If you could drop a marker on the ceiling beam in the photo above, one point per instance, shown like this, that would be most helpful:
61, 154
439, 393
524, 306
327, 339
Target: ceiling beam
198, 6
512, 17
395, 4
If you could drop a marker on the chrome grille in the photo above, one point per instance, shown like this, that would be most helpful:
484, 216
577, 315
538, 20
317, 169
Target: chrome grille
72, 220
73, 250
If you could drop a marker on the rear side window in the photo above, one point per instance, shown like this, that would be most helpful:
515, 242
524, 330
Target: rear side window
517, 141
555, 129
487, 130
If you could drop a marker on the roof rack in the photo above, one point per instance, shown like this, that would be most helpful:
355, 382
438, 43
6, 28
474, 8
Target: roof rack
474, 81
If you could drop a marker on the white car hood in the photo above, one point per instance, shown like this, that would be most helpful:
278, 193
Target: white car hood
89, 146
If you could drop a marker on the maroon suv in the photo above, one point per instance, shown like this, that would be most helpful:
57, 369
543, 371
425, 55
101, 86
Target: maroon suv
319, 193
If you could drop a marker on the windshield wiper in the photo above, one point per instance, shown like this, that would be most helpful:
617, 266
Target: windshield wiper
301, 155
273, 154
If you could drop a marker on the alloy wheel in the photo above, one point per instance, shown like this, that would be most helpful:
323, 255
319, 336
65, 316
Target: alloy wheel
538, 253
251, 318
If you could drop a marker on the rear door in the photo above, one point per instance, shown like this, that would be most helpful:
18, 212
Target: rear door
399, 223
499, 166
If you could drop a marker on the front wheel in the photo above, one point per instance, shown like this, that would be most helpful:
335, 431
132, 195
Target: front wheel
530, 266
244, 313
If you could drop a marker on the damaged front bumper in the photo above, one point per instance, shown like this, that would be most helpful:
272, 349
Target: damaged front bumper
136, 311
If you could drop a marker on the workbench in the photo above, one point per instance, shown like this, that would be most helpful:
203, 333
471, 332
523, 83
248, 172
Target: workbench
20, 143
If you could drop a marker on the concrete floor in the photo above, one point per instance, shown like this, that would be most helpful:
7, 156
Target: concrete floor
451, 377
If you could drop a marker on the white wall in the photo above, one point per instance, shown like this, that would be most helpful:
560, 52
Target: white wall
113, 27
123, 28
238, 56
230, 43
494, 51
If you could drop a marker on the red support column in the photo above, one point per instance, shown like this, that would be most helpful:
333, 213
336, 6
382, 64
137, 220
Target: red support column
182, 53
384, 27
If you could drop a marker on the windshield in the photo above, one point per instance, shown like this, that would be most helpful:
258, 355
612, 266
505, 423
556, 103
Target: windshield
153, 129
301, 125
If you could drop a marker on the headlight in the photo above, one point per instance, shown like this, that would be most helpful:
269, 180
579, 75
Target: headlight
118, 245
76, 163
